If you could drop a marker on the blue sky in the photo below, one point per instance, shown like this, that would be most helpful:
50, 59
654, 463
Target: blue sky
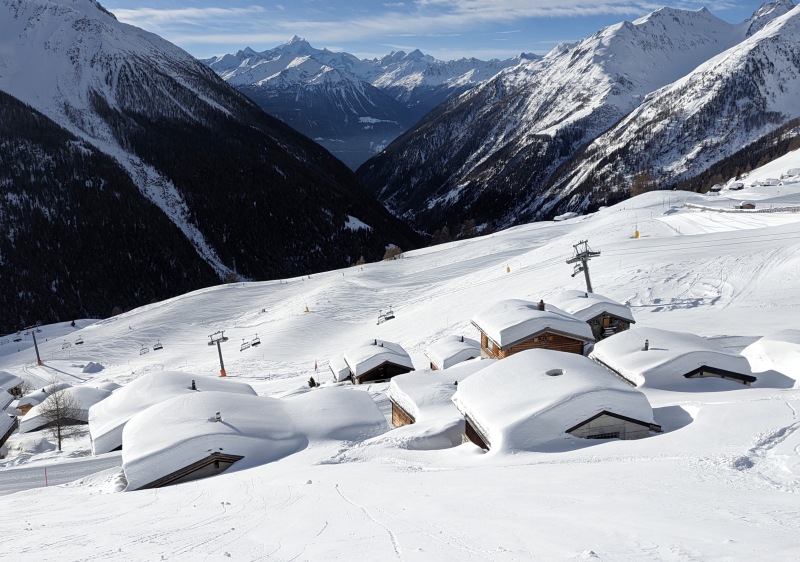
446, 29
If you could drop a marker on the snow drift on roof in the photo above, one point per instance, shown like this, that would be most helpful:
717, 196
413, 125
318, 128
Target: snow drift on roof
107, 418
373, 353
450, 350
670, 357
779, 351
175, 433
8, 381
585, 306
38, 396
425, 393
521, 403
84, 398
509, 321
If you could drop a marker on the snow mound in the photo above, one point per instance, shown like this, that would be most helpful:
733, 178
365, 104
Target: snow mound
509, 321
451, 350
182, 430
585, 306
107, 418
103, 384
670, 356
779, 352
169, 436
532, 398
92, 367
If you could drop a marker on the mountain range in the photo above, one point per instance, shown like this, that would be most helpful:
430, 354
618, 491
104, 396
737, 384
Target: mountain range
659, 100
132, 172
353, 107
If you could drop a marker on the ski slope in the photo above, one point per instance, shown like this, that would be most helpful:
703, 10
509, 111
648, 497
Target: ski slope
721, 482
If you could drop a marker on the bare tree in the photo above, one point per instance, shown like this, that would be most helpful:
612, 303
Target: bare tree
61, 415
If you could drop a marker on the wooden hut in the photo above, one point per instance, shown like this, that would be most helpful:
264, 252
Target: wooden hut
514, 325
372, 361
605, 316
452, 350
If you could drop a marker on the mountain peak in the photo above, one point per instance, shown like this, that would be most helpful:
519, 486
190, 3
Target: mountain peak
768, 12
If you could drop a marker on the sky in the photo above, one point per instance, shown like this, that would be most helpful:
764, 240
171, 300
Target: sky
446, 29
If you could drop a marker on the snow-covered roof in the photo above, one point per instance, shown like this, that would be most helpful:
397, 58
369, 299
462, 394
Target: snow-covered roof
374, 353
670, 356
84, 397
107, 418
103, 384
9, 381
427, 392
779, 351
452, 349
182, 430
339, 368
6, 421
38, 395
173, 434
585, 306
6, 398
535, 396
510, 321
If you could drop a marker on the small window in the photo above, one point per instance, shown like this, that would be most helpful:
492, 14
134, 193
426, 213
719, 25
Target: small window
609, 435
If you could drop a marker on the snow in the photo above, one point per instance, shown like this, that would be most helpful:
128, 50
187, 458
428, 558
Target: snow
779, 351
39, 395
84, 397
509, 321
108, 418
585, 306
175, 433
355, 224
528, 401
721, 482
670, 356
452, 349
373, 353
9, 381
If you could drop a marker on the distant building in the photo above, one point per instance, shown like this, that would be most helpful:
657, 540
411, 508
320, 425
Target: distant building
372, 361
669, 360
510, 326
541, 396
605, 316
451, 350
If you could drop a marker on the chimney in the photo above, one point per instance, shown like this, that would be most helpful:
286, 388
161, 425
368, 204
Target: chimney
541, 304
194, 387
586, 295
646, 345
218, 417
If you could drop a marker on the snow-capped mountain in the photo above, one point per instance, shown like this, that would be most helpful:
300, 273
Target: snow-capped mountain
121, 107
352, 107
492, 153
679, 131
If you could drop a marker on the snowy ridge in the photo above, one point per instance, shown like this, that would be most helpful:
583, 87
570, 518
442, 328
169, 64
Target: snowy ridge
527, 127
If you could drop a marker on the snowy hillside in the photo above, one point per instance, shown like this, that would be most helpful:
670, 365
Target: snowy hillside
500, 153
353, 107
720, 482
220, 172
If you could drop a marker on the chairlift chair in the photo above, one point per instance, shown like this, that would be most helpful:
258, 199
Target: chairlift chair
144, 350
79, 341
17, 338
245, 345
158, 346
256, 341
389, 314
65, 345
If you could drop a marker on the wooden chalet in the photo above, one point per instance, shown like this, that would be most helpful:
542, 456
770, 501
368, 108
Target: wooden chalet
669, 360
373, 361
534, 397
605, 316
11, 384
515, 325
